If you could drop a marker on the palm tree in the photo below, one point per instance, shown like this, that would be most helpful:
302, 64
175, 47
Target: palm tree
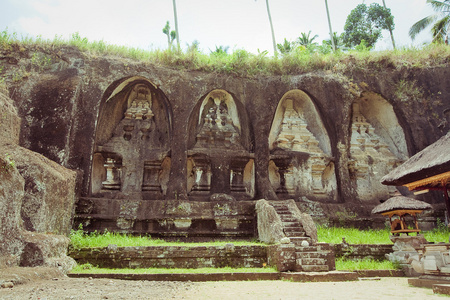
440, 21
390, 29
306, 40
176, 24
271, 28
329, 25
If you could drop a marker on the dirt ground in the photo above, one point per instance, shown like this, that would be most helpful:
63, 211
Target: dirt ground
51, 285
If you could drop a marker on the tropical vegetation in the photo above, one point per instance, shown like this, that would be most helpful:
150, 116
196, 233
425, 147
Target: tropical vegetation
440, 21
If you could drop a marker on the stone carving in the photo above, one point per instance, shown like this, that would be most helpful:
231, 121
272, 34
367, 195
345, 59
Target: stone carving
293, 133
132, 157
140, 107
370, 157
295, 136
217, 129
218, 162
113, 169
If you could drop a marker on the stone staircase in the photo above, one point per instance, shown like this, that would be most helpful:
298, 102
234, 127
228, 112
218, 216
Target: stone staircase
309, 256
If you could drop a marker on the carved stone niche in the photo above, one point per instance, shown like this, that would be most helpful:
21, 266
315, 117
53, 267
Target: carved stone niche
372, 148
133, 125
300, 150
219, 157
108, 170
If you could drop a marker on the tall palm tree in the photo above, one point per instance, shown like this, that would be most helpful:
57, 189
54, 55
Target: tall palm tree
440, 21
271, 28
176, 24
390, 29
329, 25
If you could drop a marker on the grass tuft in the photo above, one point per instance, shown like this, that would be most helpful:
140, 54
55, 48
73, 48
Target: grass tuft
242, 63
343, 264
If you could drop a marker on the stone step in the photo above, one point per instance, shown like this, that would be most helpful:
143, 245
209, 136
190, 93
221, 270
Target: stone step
298, 240
311, 261
288, 219
312, 268
311, 255
283, 213
290, 234
291, 224
306, 249
292, 229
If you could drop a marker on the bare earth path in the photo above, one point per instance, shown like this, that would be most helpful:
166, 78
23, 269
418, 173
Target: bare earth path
82, 288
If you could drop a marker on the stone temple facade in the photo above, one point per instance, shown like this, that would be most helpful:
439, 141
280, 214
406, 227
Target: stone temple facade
180, 153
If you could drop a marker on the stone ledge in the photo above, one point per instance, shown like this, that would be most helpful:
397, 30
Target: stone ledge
443, 289
185, 276
380, 273
426, 283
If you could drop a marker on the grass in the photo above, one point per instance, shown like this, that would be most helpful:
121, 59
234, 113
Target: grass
90, 269
239, 62
364, 264
79, 239
334, 235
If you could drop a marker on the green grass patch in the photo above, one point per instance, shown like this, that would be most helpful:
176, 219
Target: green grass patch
90, 269
364, 264
79, 239
334, 235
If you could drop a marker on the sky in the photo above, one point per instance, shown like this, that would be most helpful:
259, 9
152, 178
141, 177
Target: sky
238, 24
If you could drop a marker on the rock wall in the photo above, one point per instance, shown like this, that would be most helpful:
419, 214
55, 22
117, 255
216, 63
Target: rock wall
36, 198
140, 131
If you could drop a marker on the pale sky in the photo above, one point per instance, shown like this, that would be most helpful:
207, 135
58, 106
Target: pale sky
239, 24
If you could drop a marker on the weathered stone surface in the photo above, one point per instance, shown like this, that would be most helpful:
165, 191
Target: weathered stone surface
10, 121
174, 257
11, 195
66, 108
270, 227
282, 257
305, 219
49, 196
36, 198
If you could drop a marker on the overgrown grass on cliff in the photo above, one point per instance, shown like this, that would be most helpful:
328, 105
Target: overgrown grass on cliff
241, 62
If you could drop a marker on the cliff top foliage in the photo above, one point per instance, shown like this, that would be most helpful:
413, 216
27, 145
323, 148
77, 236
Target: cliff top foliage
240, 62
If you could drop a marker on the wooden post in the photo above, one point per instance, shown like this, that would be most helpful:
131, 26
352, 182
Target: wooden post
447, 200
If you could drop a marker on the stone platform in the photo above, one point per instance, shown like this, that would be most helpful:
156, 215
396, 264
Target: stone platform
295, 276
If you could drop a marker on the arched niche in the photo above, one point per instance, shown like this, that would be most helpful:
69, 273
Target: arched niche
220, 110
300, 160
220, 143
132, 141
380, 114
303, 106
377, 145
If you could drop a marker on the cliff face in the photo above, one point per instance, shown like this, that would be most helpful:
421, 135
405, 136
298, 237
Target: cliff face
36, 197
141, 131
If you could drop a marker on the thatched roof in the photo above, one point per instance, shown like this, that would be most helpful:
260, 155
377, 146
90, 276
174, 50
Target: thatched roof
431, 161
400, 202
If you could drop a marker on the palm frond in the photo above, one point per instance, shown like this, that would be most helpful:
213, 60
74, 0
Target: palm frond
439, 6
417, 27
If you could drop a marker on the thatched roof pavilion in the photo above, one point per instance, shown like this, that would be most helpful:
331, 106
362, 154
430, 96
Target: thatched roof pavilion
400, 203
397, 208
428, 168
